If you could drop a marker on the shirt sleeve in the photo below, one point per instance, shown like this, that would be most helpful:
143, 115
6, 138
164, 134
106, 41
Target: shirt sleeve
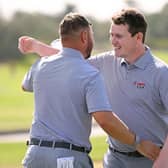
27, 82
94, 61
99, 61
56, 44
96, 97
163, 87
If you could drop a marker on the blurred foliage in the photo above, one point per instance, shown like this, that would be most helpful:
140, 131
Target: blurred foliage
45, 28
157, 29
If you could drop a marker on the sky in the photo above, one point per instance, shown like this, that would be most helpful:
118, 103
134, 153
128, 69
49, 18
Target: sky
100, 9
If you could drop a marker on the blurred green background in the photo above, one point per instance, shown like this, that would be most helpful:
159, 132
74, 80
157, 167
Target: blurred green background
13, 153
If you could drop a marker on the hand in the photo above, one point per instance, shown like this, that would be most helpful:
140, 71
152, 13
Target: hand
148, 149
26, 44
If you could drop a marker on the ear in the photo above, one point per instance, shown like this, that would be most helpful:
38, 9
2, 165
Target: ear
84, 36
139, 36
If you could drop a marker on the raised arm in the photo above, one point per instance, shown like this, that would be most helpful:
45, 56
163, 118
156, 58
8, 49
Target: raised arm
28, 44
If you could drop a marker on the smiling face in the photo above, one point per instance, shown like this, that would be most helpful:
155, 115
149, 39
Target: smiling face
127, 34
123, 42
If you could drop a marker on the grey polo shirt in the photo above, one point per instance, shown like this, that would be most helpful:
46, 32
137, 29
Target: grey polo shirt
66, 91
138, 94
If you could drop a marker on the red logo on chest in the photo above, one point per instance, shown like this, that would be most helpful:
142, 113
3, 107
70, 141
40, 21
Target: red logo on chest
139, 84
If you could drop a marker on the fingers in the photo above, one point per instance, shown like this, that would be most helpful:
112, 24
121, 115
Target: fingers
25, 44
150, 156
153, 153
149, 149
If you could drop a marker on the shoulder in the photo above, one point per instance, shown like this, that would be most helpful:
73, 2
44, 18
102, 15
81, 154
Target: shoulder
103, 59
89, 69
160, 65
160, 70
104, 55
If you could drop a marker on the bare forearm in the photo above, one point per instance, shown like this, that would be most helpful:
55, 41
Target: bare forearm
112, 125
43, 49
28, 45
116, 128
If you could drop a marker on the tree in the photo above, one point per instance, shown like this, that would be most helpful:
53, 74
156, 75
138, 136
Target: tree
132, 3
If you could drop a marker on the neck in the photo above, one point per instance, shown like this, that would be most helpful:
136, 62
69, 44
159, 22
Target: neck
139, 52
74, 45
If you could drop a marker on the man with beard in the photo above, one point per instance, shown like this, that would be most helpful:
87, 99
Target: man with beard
131, 78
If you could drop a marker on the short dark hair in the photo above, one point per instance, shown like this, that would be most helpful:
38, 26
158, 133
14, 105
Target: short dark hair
71, 23
133, 18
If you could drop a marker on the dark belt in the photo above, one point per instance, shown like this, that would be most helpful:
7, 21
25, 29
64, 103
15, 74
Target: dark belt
54, 144
131, 154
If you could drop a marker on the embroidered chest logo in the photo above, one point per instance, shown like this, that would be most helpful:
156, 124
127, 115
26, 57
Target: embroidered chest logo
140, 85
